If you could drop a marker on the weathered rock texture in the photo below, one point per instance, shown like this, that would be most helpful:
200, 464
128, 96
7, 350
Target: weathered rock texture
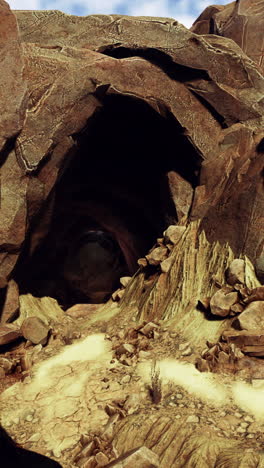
204, 88
208, 83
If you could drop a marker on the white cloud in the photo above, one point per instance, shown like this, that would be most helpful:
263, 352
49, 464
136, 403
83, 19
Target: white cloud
184, 11
187, 20
24, 4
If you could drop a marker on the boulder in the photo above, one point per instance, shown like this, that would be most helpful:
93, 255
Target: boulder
222, 301
253, 316
34, 329
173, 234
157, 255
9, 333
256, 294
82, 310
244, 337
236, 272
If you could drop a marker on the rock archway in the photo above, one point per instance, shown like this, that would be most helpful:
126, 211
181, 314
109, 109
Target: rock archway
132, 173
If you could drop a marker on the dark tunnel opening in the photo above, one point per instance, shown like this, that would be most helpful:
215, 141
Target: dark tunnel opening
111, 203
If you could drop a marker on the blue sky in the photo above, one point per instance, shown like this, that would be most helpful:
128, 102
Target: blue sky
185, 11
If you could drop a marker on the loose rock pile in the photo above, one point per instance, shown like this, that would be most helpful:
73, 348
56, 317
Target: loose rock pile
159, 257
246, 335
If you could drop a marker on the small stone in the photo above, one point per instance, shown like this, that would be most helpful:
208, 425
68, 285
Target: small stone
117, 295
126, 379
26, 362
244, 424
202, 365
183, 346
238, 415
236, 272
222, 301
187, 352
173, 234
192, 419
132, 403
29, 417
179, 396
237, 308
142, 262
157, 255
141, 457
250, 436
249, 419
6, 365
101, 459
56, 453
35, 437
35, 330
125, 280
253, 428
126, 361
241, 430
148, 329
178, 416
126, 349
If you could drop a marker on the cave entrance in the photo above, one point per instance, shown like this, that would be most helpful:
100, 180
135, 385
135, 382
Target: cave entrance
111, 203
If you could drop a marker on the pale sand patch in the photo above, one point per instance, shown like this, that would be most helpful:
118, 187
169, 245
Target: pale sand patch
208, 387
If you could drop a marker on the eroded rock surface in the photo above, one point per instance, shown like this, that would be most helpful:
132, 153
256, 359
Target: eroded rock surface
135, 384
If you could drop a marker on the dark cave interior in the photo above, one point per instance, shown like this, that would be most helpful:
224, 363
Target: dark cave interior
111, 203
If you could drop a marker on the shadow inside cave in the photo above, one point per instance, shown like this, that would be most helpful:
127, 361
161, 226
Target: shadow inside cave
111, 202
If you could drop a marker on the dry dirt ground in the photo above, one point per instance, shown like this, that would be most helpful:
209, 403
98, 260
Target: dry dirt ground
104, 386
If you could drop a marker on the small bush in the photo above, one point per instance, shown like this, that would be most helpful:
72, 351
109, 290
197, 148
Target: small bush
155, 389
